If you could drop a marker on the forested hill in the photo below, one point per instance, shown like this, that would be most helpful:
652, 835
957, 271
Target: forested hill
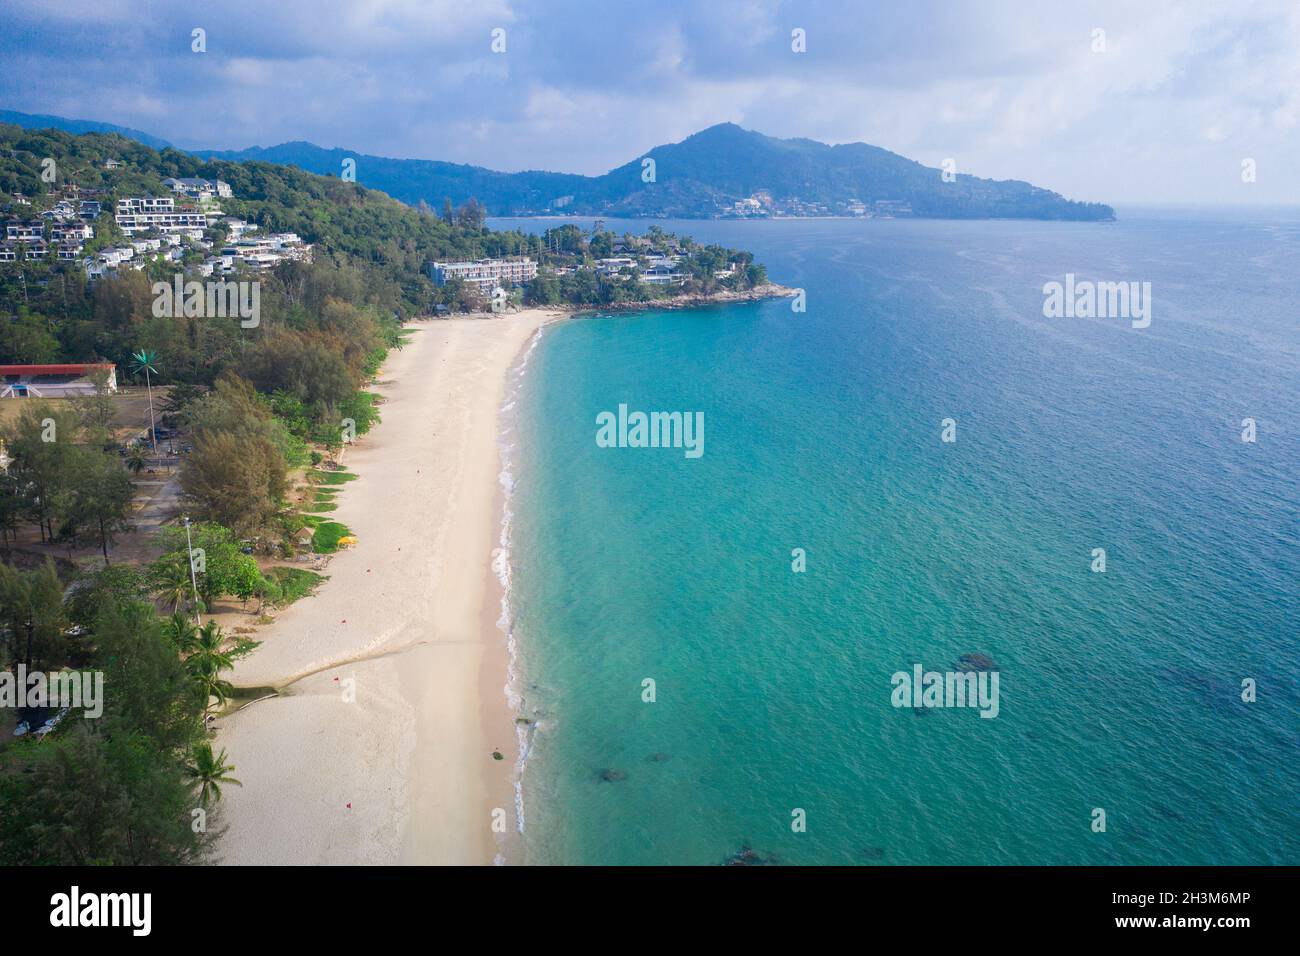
386, 241
720, 171
705, 176
371, 252
322, 323
43, 120
367, 271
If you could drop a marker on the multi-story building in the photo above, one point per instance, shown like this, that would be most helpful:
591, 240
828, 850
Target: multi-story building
72, 232
145, 204
485, 274
200, 188
662, 275
263, 252
25, 231
142, 213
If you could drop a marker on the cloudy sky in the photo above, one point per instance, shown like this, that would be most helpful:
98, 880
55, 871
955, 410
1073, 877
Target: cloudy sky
1166, 112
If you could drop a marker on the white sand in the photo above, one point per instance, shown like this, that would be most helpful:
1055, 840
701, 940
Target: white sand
409, 616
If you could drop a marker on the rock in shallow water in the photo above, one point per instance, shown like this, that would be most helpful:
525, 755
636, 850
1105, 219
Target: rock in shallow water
976, 662
747, 856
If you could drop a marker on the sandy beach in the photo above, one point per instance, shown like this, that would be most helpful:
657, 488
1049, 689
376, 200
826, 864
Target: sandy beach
379, 747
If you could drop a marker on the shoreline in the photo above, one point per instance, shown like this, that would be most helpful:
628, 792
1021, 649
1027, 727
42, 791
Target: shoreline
500, 665
769, 290
392, 679
433, 682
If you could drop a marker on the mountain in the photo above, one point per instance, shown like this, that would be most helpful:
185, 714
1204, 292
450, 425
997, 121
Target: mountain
705, 176
412, 180
41, 121
721, 171
725, 163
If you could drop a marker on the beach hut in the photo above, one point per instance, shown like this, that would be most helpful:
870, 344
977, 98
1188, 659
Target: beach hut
302, 541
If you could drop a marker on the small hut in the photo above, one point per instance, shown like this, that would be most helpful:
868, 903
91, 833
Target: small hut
302, 541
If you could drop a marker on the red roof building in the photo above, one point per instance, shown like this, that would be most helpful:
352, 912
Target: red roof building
54, 381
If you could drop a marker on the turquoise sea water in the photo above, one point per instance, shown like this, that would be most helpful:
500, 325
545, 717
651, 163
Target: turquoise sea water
1119, 690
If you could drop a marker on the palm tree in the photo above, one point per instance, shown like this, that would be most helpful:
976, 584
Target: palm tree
142, 361
210, 772
206, 662
136, 460
171, 581
181, 632
209, 684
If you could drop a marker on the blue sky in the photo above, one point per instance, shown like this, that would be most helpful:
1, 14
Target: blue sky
1166, 113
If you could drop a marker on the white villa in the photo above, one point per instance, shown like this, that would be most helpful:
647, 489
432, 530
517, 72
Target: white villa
485, 274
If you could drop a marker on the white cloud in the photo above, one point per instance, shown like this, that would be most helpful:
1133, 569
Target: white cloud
1010, 89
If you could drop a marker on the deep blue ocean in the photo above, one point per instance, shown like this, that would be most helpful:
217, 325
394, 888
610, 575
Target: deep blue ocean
1119, 690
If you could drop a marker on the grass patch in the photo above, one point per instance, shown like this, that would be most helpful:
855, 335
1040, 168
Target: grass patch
295, 583
322, 477
328, 533
322, 501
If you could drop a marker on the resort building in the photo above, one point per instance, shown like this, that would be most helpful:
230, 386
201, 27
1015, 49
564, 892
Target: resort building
76, 232
485, 274
265, 252
200, 188
24, 231
662, 275
53, 381
614, 264
142, 213
238, 228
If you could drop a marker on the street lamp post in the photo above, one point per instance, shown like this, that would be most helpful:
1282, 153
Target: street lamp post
189, 548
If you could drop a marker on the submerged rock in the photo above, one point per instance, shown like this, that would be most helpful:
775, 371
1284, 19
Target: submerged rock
747, 856
976, 662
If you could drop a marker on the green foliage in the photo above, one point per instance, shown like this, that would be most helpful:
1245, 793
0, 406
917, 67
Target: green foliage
63, 479
32, 617
111, 791
293, 584
328, 534
118, 585
323, 477
225, 568
209, 772
236, 473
